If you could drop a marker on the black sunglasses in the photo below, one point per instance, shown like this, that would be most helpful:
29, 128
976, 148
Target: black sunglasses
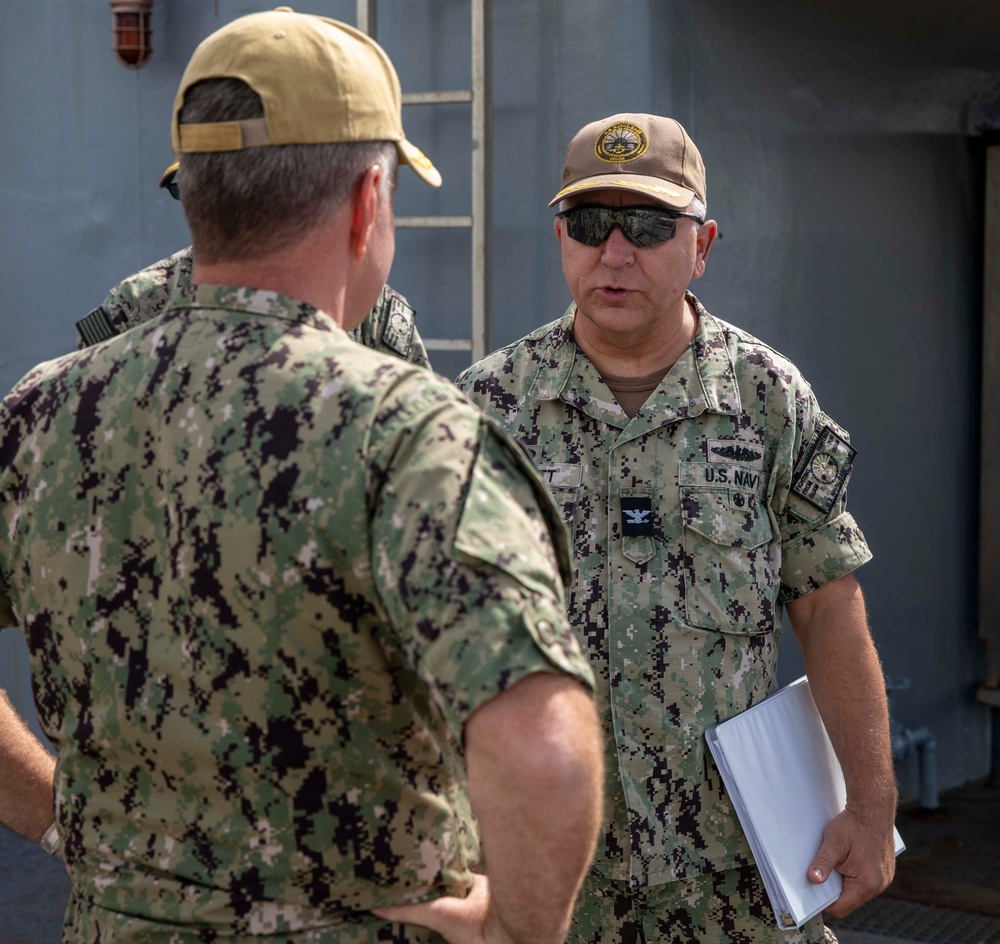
642, 225
172, 187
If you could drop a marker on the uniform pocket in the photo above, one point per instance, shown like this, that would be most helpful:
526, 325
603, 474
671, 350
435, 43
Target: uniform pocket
563, 479
731, 564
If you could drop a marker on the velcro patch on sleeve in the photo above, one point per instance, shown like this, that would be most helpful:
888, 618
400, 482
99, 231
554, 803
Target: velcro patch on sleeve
826, 471
397, 331
96, 327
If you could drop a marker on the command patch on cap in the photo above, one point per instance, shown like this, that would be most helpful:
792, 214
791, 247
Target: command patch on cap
621, 142
826, 471
632, 152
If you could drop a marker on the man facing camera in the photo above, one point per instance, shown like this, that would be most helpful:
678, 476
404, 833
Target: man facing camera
705, 491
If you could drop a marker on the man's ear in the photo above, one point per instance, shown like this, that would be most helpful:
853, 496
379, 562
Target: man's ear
707, 232
365, 202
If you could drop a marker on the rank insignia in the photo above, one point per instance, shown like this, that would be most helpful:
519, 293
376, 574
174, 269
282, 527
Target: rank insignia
637, 516
826, 471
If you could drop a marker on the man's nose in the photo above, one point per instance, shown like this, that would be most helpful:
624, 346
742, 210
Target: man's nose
618, 250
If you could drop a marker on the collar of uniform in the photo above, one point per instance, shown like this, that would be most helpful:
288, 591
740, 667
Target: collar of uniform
566, 373
707, 359
252, 300
556, 357
714, 363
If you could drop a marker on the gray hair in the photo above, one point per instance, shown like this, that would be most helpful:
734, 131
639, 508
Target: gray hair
698, 207
246, 204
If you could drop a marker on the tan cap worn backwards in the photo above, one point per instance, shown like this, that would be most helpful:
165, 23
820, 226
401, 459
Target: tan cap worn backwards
643, 153
321, 82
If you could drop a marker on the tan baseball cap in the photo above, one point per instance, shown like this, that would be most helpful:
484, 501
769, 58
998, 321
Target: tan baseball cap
321, 82
645, 153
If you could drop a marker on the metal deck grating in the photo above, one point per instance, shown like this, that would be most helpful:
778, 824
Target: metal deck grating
916, 922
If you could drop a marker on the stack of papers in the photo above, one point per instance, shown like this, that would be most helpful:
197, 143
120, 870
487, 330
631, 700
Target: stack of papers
785, 781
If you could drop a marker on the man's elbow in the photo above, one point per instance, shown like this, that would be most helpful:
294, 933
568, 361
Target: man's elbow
544, 733
567, 751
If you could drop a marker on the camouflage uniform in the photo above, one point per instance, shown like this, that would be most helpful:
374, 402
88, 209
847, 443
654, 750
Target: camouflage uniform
692, 523
265, 576
389, 326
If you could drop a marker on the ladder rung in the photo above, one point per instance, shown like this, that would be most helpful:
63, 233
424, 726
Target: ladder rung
479, 97
447, 344
433, 222
436, 98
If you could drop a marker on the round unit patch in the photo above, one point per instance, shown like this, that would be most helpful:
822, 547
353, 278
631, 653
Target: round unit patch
825, 467
621, 143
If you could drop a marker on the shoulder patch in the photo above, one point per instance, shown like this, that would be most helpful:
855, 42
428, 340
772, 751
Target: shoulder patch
96, 327
826, 471
397, 329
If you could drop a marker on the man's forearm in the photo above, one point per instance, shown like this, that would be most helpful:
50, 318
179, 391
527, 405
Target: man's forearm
535, 761
846, 680
26, 776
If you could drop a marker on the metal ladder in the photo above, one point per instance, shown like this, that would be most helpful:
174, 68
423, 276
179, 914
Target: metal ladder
480, 221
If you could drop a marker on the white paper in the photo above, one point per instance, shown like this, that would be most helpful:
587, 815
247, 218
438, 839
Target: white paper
785, 781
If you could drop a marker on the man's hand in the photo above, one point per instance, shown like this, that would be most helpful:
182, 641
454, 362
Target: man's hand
535, 763
857, 848
845, 678
457, 920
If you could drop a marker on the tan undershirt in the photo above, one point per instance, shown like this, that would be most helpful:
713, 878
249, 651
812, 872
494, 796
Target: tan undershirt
633, 392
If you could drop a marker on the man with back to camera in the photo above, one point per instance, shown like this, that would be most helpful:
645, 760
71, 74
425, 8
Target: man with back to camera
292, 604
705, 490
26, 778
389, 327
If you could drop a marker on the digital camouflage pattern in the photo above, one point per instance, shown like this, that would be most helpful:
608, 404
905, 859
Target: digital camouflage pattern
729, 906
389, 327
265, 575
687, 540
